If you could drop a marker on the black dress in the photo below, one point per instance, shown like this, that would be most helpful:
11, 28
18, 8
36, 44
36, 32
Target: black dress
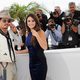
37, 64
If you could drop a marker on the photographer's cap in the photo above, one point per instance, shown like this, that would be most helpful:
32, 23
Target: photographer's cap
5, 14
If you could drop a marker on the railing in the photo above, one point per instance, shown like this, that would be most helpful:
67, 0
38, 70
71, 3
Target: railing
63, 64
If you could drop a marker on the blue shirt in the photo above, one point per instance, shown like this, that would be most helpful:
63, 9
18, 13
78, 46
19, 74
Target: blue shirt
57, 33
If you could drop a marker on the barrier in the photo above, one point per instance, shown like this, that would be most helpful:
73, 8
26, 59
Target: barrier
63, 64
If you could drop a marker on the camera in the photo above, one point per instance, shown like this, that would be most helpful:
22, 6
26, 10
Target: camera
17, 47
76, 22
67, 19
51, 26
55, 13
38, 15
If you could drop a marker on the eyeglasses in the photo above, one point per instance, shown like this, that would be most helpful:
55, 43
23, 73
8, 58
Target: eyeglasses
6, 20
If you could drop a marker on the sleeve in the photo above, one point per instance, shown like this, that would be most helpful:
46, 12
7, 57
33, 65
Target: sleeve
47, 33
58, 33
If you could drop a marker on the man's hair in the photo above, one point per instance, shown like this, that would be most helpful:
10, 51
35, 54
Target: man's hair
71, 3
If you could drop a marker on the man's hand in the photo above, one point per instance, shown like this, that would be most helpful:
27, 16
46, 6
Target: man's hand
52, 29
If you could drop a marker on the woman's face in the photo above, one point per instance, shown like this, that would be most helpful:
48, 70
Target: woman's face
31, 22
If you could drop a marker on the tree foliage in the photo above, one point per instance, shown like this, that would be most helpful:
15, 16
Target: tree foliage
20, 12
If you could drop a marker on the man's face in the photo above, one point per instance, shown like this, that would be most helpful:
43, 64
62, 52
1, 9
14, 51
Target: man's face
4, 23
50, 22
72, 8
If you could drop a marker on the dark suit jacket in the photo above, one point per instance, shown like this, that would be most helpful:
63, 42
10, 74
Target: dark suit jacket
76, 15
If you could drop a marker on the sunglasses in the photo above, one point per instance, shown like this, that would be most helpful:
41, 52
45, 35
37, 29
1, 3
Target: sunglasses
6, 20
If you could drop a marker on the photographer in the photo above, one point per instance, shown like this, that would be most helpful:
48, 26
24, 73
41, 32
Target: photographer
72, 10
54, 31
42, 18
70, 33
75, 15
57, 15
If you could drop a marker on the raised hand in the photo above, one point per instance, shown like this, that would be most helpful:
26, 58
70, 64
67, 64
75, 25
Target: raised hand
34, 32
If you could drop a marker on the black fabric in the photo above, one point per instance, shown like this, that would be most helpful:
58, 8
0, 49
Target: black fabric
65, 37
58, 20
43, 22
37, 64
23, 40
76, 15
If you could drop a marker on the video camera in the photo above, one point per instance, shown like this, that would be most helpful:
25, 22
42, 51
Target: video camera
74, 22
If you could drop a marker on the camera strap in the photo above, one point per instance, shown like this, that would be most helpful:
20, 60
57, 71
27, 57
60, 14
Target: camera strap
54, 35
56, 26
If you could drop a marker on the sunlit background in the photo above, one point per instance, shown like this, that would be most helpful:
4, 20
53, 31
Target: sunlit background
48, 4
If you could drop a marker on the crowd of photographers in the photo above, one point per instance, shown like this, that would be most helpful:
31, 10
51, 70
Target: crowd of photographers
62, 29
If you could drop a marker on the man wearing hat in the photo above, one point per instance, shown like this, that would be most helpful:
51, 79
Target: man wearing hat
53, 34
7, 55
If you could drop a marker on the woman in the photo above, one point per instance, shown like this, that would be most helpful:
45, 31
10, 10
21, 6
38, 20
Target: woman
36, 43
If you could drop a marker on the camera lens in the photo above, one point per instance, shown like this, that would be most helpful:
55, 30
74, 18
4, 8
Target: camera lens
67, 19
52, 26
38, 15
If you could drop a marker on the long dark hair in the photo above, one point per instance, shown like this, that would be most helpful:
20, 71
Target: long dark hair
37, 26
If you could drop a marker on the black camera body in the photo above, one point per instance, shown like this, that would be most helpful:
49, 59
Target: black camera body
52, 14
76, 22
55, 13
67, 20
38, 15
17, 48
51, 26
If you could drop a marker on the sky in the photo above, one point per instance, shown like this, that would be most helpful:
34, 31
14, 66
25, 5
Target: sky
48, 4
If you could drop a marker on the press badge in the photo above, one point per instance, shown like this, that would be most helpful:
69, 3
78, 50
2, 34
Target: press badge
70, 38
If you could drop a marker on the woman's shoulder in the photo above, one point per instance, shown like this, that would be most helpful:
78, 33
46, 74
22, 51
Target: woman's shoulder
41, 32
